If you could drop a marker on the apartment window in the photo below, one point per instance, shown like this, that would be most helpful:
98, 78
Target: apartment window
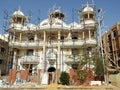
2, 50
110, 48
115, 33
118, 56
109, 37
1, 61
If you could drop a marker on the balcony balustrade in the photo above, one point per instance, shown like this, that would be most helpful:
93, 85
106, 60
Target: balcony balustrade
71, 60
29, 59
66, 42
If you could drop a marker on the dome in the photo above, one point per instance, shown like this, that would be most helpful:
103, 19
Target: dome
57, 14
18, 12
31, 26
56, 23
44, 22
57, 10
74, 24
88, 8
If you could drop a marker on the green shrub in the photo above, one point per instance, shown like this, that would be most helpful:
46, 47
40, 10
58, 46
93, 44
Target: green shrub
64, 78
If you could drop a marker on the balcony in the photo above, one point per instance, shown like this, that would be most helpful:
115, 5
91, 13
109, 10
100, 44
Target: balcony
29, 59
70, 42
26, 44
66, 43
91, 42
79, 42
71, 60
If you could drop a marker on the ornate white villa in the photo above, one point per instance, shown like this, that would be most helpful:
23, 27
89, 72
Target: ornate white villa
53, 45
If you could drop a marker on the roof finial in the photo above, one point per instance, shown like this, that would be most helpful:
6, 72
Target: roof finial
19, 8
87, 4
93, 2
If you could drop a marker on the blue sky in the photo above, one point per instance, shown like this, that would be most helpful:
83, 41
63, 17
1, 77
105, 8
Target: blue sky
111, 8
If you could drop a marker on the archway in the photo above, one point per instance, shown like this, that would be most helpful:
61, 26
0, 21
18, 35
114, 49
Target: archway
18, 74
51, 75
18, 77
51, 69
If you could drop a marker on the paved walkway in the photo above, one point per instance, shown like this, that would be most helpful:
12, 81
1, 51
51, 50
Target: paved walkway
32, 86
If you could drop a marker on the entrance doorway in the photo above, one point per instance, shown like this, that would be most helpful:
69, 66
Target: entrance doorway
51, 75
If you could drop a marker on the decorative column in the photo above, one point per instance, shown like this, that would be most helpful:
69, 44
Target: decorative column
58, 62
35, 36
59, 52
89, 35
44, 51
20, 37
90, 53
69, 35
9, 37
83, 35
14, 37
14, 60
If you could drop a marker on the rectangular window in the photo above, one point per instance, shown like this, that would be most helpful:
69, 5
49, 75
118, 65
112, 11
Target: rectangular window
110, 48
115, 33
2, 50
109, 37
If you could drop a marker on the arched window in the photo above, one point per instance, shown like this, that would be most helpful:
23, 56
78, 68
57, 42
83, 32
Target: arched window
85, 16
91, 16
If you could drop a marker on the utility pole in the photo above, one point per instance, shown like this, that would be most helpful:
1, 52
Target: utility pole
100, 29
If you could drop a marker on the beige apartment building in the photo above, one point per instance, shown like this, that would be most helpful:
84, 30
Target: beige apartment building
111, 45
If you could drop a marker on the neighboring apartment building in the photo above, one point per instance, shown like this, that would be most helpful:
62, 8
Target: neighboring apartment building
3, 54
111, 45
50, 45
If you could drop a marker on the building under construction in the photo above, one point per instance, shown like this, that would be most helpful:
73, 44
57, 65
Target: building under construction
111, 46
45, 50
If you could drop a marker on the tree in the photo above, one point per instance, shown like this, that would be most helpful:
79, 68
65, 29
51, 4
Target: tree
81, 63
99, 68
81, 75
64, 78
